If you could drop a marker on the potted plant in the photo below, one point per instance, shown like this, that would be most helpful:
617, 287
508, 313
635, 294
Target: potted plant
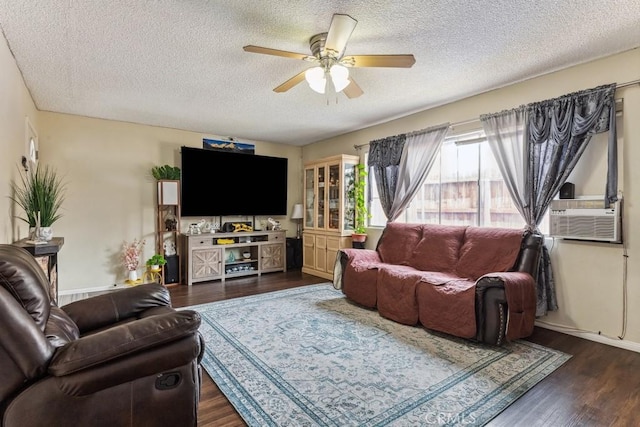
131, 258
166, 172
361, 213
40, 193
156, 261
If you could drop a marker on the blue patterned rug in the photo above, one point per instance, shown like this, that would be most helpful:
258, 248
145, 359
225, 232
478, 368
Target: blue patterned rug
308, 357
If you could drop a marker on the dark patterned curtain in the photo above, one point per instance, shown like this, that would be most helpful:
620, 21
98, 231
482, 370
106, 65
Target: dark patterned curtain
384, 158
558, 133
546, 139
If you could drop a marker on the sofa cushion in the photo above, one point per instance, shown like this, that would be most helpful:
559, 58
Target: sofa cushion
448, 307
487, 250
397, 293
397, 242
439, 248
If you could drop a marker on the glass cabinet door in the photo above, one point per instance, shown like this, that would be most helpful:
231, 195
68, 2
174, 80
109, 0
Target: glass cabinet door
334, 197
309, 194
320, 222
348, 199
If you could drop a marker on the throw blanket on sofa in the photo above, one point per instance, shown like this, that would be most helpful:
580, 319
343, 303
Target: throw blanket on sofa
425, 273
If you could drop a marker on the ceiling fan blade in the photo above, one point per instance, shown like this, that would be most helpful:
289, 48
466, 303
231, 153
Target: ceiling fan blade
352, 90
290, 83
339, 32
400, 61
276, 52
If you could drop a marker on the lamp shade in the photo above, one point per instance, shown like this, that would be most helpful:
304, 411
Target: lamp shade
297, 211
339, 76
316, 79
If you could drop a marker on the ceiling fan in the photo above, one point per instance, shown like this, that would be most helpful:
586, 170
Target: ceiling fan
328, 53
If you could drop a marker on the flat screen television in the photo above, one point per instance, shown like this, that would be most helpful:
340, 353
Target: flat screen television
227, 183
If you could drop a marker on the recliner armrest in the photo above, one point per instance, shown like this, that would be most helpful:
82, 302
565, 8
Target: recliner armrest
103, 310
520, 295
361, 255
122, 341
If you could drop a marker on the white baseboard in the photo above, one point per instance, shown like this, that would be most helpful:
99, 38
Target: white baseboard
627, 345
70, 295
90, 290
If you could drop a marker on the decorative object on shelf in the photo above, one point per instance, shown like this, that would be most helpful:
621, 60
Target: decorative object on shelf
169, 248
156, 261
231, 257
272, 224
170, 222
241, 227
204, 226
225, 241
357, 192
131, 259
194, 229
297, 215
166, 172
40, 194
246, 254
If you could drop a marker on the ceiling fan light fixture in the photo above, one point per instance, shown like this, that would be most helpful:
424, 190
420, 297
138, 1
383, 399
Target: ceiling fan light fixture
339, 76
316, 79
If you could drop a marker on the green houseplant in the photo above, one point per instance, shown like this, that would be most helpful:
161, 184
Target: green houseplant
156, 260
166, 172
40, 194
361, 214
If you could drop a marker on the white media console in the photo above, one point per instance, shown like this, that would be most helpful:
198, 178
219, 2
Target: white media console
213, 256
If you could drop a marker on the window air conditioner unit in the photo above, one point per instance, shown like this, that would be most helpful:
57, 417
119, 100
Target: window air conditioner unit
586, 218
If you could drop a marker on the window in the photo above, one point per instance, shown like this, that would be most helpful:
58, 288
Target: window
464, 187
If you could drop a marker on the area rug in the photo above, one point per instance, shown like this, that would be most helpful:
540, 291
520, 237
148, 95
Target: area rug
308, 357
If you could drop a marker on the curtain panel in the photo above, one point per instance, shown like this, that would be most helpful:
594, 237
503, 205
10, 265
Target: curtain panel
384, 158
420, 151
538, 145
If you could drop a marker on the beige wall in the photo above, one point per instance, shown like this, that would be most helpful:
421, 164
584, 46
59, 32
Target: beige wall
111, 193
589, 276
15, 106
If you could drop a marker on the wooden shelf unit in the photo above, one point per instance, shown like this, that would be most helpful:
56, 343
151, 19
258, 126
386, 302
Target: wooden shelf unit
168, 228
206, 257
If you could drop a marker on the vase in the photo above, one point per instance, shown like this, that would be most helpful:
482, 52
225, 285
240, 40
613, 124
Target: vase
42, 234
133, 275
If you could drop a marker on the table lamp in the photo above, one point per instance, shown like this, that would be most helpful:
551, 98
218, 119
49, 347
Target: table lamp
297, 216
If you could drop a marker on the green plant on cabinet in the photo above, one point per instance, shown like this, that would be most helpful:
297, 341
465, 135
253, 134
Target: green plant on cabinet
359, 195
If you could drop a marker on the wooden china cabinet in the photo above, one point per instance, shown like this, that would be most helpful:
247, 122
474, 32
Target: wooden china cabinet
328, 212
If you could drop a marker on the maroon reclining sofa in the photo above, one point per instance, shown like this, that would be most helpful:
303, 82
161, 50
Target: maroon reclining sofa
471, 282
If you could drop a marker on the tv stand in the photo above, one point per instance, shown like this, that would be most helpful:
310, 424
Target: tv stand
218, 256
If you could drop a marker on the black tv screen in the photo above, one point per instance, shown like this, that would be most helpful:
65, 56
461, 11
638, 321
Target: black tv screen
217, 183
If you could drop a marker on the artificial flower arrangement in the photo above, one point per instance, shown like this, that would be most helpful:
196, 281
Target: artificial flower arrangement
131, 254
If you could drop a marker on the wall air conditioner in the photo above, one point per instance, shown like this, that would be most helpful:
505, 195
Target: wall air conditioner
586, 218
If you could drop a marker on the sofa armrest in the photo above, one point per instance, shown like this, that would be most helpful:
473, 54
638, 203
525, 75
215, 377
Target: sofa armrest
349, 255
516, 289
123, 340
103, 310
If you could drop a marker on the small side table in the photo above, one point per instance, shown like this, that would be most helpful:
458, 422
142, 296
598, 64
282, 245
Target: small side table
47, 256
294, 253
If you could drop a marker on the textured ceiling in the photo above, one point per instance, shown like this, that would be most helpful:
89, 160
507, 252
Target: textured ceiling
180, 63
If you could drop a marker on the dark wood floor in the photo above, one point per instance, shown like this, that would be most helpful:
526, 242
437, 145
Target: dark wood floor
598, 386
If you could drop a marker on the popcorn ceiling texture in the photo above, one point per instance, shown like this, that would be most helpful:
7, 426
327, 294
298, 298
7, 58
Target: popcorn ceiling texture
180, 64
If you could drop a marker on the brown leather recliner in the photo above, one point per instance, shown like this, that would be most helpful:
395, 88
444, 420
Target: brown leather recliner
125, 358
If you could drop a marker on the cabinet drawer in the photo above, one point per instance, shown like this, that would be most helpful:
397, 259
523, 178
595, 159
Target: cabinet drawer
194, 242
276, 237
